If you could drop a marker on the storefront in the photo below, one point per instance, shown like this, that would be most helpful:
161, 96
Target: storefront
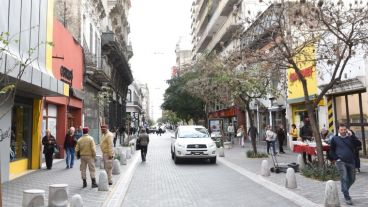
221, 119
349, 107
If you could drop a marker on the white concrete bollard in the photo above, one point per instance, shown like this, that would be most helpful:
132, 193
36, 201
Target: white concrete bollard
123, 160
265, 170
58, 195
33, 197
103, 183
116, 167
76, 201
221, 152
290, 178
102, 164
331, 194
133, 149
128, 153
98, 160
300, 161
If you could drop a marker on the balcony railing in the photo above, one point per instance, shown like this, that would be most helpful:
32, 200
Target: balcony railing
97, 69
134, 104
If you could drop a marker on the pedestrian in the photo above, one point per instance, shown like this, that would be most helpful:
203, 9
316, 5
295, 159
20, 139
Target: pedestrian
86, 152
281, 135
358, 147
143, 141
49, 144
107, 151
79, 133
240, 135
270, 140
69, 146
115, 135
230, 131
294, 132
253, 132
326, 135
342, 153
306, 133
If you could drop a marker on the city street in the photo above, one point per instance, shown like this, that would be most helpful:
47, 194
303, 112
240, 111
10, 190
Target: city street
159, 182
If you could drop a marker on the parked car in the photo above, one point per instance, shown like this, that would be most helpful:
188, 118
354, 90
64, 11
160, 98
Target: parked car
151, 129
192, 142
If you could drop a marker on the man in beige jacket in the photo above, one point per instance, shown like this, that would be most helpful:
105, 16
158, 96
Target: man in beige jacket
107, 151
86, 151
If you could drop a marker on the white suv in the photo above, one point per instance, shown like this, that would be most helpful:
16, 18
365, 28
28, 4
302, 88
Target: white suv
192, 142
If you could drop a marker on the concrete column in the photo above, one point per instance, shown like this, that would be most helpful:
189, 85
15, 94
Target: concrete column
103, 183
265, 169
116, 167
331, 194
76, 201
290, 178
58, 195
300, 161
221, 152
33, 197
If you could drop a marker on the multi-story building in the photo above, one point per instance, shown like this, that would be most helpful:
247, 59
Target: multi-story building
25, 63
213, 26
145, 104
134, 107
102, 28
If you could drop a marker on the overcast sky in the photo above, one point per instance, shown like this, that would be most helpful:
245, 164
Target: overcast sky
156, 27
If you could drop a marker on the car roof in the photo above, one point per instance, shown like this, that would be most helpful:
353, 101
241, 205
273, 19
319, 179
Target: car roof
191, 126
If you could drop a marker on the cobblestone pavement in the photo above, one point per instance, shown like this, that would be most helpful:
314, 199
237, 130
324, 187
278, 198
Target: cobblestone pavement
159, 182
308, 188
41, 179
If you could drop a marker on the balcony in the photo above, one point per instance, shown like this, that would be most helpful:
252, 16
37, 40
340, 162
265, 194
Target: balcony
135, 104
224, 34
116, 57
219, 17
96, 70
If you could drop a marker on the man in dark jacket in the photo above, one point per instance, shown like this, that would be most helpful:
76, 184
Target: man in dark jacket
143, 141
342, 152
281, 137
306, 133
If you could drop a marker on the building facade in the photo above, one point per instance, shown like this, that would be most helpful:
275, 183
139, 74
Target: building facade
134, 108
21, 118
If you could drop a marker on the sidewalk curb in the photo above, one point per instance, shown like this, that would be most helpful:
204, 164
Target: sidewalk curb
117, 195
282, 191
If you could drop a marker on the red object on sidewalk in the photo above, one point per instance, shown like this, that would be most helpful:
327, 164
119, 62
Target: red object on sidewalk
309, 149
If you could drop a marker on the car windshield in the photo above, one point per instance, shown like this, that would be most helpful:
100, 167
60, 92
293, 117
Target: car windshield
197, 132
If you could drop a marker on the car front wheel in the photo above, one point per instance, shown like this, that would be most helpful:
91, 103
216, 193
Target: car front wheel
176, 159
213, 160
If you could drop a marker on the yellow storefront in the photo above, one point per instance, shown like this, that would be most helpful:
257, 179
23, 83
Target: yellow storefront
295, 87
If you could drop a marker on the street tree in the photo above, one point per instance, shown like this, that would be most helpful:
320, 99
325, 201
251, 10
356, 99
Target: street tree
306, 36
178, 100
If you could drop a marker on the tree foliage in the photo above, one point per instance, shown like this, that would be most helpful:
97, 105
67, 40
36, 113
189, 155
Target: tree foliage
178, 100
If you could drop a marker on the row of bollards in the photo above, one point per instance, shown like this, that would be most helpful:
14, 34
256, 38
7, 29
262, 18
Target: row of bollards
58, 197
331, 193
58, 193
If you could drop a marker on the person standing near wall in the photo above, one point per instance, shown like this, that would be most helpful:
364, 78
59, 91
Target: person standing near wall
86, 151
49, 144
107, 151
281, 135
143, 141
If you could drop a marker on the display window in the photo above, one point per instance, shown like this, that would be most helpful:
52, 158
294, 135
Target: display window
21, 132
49, 119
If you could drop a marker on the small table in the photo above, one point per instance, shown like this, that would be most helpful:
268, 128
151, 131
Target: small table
310, 149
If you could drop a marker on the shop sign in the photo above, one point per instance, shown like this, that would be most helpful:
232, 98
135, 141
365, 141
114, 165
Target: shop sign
66, 74
307, 72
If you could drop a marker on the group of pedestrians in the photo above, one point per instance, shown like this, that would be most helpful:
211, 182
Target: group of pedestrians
80, 144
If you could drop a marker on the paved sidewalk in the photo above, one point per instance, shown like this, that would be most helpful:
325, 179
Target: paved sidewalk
41, 179
308, 188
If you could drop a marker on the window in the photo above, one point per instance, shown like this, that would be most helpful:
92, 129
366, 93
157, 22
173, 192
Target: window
129, 96
195, 132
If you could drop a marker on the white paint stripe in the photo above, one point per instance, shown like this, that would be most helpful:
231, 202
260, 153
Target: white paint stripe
117, 195
282, 191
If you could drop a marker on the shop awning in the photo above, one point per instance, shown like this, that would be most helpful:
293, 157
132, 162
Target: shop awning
345, 86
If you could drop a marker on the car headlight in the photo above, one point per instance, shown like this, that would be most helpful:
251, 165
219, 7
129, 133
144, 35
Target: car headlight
181, 145
211, 145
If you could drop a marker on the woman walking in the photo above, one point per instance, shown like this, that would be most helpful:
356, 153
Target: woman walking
270, 140
240, 135
49, 144
69, 146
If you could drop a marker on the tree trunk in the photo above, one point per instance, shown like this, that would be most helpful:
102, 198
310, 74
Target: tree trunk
316, 134
251, 125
